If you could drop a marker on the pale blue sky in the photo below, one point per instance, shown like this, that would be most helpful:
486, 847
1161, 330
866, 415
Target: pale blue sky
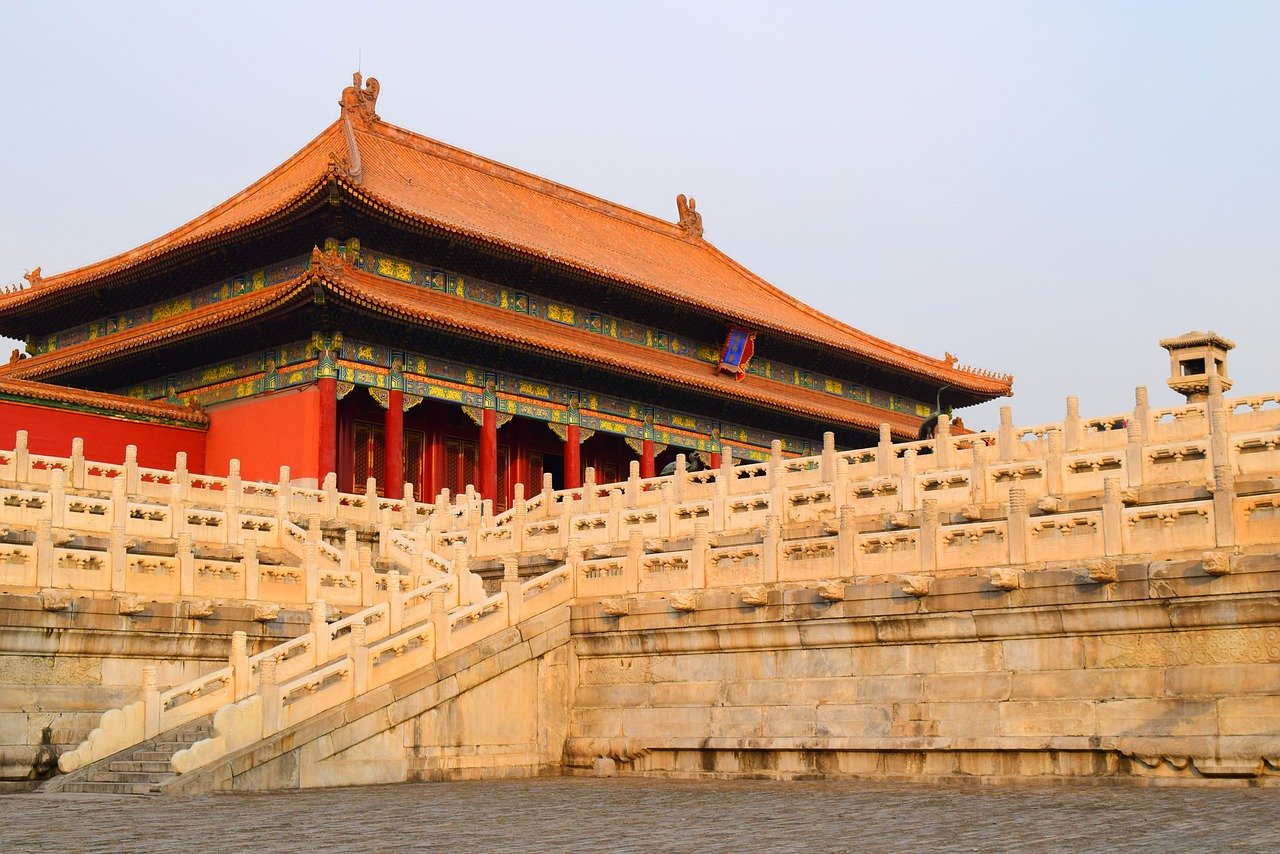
1039, 188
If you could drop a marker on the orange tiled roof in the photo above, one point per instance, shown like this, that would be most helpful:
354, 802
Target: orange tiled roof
434, 184
384, 296
129, 406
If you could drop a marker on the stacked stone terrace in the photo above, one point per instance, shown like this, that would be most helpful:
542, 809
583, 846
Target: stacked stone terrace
1199, 481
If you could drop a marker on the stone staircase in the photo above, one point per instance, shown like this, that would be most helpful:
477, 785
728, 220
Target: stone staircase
140, 770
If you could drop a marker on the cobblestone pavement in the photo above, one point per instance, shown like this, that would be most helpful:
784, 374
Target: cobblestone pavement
583, 814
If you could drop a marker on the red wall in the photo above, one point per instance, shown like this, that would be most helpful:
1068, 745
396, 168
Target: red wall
264, 433
50, 431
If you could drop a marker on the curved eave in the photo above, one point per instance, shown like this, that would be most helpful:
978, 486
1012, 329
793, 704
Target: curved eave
101, 403
192, 325
380, 296
383, 297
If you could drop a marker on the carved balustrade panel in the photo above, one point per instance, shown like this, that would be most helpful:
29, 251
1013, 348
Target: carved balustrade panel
603, 577
1168, 527
1256, 453
666, 571
1254, 414
400, 655
315, 692
1182, 422
746, 512
1064, 537
1178, 462
809, 558
1257, 519
875, 496
809, 504
284, 584
470, 624
949, 487
730, 566
220, 579
17, 565
81, 569
1028, 475
977, 544
686, 515
1085, 474
888, 552
590, 528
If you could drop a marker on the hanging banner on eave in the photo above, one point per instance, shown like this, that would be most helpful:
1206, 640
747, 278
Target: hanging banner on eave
739, 347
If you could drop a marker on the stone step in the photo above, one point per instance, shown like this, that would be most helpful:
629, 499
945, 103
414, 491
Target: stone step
153, 767
152, 755
113, 788
127, 777
193, 734
170, 746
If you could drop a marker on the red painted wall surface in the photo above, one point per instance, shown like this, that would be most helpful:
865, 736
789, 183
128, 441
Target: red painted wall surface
264, 433
50, 431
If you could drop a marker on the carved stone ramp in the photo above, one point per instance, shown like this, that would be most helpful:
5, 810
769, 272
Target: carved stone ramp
141, 769
498, 707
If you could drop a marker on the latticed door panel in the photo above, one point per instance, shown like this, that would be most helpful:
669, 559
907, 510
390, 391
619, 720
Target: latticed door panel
535, 473
462, 467
462, 464
415, 443
504, 469
368, 454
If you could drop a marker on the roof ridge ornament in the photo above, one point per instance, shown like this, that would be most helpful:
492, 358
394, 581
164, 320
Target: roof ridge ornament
33, 278
690, 221
360, 100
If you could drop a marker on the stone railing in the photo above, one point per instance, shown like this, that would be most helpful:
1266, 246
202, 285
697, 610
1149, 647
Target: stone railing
131, 531
1069, 489
1074, 489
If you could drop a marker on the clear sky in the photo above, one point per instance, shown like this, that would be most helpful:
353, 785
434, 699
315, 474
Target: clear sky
1039, 188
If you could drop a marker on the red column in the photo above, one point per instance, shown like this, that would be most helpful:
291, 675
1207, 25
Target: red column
572, 462
715, 460
393, 458
489, 456
328, 461
646, 458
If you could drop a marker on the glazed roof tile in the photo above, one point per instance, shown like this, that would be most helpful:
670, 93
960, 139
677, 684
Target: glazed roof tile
437, 185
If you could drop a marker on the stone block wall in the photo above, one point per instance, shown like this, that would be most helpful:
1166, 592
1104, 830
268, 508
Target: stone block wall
1146, 677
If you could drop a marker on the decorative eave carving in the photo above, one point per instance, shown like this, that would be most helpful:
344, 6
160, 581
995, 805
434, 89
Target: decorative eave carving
690, 220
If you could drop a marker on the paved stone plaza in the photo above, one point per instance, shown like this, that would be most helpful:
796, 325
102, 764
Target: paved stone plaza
557, 814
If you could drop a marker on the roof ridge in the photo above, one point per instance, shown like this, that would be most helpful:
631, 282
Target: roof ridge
525, 178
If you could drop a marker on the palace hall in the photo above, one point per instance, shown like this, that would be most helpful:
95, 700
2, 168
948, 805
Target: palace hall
383, 305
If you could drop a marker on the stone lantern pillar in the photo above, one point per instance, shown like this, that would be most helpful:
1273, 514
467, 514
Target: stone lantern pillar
1193, 357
